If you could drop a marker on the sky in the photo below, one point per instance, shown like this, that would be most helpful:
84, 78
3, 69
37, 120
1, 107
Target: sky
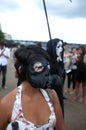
26, 20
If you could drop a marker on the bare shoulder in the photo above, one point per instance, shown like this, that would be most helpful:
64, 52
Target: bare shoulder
56, 103
85, 55
84, 60
60, 125
9, 95
54, 94
6, 106
7, 101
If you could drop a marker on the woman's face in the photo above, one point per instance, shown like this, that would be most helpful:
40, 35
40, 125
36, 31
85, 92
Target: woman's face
66, 47
59, 48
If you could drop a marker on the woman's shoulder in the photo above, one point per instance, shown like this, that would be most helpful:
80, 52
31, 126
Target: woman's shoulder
6, 107
52, 94
7, 101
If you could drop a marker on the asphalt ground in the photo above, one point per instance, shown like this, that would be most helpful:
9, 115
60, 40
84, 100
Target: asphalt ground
74, 112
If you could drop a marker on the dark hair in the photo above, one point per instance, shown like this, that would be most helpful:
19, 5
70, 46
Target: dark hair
82, 47
23, 57
65, 44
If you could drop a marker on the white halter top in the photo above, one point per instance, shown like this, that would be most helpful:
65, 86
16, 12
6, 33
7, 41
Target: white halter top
17, 114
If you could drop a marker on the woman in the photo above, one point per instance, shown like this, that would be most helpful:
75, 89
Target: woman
67, 65
73, 68
29, 106
81, 75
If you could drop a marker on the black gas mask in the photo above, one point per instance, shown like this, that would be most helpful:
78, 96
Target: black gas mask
39, 73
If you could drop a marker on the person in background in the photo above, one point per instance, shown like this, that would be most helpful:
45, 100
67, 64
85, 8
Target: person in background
4, 56
55, 51
29, 106
80, 75
67, 66
73, 68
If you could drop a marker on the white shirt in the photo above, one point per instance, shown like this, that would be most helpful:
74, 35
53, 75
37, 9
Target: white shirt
3, 59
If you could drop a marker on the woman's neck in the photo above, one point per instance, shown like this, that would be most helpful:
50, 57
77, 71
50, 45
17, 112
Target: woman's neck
28, 89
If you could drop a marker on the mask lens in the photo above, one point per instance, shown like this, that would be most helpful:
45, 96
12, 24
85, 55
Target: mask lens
38, 67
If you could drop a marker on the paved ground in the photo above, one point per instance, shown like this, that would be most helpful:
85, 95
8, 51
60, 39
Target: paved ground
75, 112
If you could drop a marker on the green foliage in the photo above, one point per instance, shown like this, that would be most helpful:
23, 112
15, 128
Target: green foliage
2, 37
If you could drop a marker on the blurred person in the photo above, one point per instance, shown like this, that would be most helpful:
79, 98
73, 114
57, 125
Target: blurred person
55, 51
29, 105
67, 66
81, 75
4, 56
73, 68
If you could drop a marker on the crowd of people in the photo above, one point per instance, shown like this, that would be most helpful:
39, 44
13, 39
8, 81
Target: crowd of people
41, 74
75, 66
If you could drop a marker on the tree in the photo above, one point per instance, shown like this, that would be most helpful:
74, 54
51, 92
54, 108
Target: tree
2, 36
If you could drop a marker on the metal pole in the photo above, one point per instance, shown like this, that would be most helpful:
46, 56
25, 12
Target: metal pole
47, 19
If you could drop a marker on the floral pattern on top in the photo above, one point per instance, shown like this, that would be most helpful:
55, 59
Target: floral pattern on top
17, 114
